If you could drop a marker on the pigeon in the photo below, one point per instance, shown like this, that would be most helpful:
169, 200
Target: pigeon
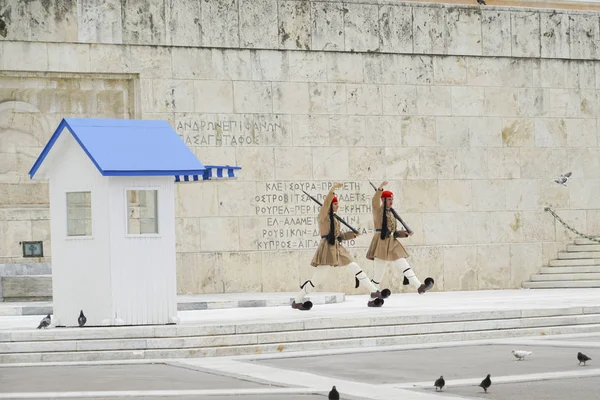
520, 354
486, 383
334, 394
582, 358
481, 2
45, 322
82, 319
439, 383
563, 179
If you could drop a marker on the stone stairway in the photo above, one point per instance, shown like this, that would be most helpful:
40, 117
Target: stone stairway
578, 267
246, 337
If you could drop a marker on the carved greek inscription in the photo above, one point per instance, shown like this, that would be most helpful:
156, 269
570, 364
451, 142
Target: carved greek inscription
227, 131
291, 217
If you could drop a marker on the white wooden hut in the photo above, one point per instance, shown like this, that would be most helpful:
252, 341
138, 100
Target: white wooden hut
112, 215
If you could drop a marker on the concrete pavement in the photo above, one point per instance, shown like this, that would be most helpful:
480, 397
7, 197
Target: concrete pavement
376, 372
551, 372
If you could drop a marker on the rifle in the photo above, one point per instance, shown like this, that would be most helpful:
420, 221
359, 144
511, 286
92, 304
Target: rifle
395, 214
334, 214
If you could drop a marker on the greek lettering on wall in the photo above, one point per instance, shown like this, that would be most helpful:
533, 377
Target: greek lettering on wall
234, 130
291, 217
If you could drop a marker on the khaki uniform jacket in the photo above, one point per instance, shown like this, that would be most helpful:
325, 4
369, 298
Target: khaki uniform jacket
335, 255
388, 249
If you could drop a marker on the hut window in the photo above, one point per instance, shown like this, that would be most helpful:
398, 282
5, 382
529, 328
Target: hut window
142, 212
79, 214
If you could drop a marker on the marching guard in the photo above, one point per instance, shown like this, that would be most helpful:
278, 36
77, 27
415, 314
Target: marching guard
385, 249
331, 253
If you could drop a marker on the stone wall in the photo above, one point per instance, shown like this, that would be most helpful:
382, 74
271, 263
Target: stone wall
470, 113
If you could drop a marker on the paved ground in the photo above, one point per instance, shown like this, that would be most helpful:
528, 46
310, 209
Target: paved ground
559, 389
113, 377
451, 362
235, 397
551, 372
386, 373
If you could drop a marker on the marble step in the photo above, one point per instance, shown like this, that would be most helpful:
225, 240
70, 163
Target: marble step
577, 255
193, 302
585, 241
269, 341
562, 284
575, 262
26, 287
571, 270
577, 248
566, 277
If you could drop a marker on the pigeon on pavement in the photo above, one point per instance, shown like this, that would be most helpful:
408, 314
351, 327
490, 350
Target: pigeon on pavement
582, 358
334, 394
486, 383
520, 354
439, 383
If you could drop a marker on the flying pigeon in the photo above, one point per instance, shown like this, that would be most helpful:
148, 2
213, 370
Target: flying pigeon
520, 354
582, 358
45, 322
563, 179
486, 383
439, 383
82, 319
334, 394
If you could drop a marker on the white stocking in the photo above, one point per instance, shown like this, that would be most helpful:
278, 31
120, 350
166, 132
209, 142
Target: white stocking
318, 277
362, 277
408, 272
380, 268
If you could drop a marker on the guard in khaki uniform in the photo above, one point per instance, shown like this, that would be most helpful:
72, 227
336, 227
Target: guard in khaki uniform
385, 249
331, 253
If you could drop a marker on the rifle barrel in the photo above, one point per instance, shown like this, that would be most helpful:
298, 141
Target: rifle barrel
334, 214
395, 214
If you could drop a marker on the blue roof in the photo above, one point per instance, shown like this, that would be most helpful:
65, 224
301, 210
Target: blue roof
125, 147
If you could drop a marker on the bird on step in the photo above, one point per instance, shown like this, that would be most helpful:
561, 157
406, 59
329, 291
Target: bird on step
45, 322
82, 319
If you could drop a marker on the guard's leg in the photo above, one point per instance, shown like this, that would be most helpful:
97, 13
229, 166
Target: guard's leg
412, 277
363, 279
380, 269
308, 286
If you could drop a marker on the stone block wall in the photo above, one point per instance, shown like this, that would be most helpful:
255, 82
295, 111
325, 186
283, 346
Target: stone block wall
470, 113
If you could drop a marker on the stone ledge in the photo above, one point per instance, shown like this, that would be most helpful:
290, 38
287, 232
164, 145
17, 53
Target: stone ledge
193, 302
